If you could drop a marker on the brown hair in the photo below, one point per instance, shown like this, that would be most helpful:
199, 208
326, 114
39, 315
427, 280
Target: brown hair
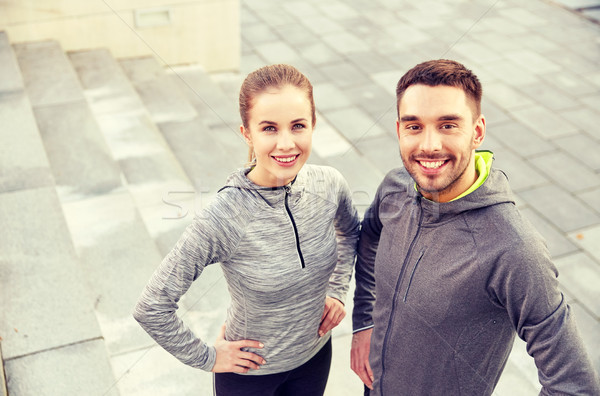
442, 72
267, 77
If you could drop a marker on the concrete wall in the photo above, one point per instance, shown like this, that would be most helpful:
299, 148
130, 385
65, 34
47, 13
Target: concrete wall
175, 31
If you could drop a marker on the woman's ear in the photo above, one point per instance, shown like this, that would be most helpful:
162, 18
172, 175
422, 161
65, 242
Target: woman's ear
246, 134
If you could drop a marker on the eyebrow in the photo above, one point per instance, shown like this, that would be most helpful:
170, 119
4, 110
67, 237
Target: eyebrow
408, 118
274, 123
447, 117
450, 117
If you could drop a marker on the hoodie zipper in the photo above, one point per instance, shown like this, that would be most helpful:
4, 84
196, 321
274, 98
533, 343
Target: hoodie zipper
396, 291
289, 212
412, 274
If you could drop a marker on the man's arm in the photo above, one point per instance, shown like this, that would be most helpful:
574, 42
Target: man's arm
563, 364
359, 356
364, 295
542, 318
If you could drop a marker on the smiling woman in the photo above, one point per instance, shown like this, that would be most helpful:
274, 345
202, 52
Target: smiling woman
279, 133
285, 233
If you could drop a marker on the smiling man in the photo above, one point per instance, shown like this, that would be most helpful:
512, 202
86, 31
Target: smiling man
448, 271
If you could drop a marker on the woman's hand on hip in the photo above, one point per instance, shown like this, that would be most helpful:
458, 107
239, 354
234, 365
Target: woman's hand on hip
231, 358
333, 314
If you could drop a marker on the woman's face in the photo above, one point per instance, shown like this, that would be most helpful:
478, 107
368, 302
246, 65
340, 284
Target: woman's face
280, 132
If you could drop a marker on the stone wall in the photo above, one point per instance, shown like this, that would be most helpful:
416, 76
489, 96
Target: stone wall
206, 32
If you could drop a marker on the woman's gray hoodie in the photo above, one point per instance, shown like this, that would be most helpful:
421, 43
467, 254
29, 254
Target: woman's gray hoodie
282, 251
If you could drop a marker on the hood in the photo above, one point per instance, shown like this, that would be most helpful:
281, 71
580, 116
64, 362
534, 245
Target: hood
271, 195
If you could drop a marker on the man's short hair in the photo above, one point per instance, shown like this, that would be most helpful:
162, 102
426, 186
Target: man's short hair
442, 72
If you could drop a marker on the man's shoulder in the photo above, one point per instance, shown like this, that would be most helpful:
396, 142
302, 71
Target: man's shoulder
504, 225
396, 180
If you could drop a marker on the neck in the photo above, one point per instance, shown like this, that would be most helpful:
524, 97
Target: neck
459, 186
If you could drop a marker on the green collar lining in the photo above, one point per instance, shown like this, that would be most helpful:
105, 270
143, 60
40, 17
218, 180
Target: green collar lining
483, 165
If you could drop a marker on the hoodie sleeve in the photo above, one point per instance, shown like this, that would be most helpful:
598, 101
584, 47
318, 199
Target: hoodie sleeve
526, 285
347, 228
210, 238
364, 294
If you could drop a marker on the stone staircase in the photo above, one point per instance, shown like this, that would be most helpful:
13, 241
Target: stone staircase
103, 164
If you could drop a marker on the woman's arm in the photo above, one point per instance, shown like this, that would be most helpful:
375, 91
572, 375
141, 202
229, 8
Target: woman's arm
347, 227
212, 237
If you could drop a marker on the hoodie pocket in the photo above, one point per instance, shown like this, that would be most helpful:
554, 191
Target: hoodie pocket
412, 274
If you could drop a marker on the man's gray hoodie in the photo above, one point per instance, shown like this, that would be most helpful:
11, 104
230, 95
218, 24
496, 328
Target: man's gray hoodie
282, 251
447, 286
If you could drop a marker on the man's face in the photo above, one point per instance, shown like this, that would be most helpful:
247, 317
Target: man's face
438, 135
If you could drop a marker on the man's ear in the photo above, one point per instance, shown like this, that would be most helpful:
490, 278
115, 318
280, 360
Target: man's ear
246, 134
479, 132
398, 128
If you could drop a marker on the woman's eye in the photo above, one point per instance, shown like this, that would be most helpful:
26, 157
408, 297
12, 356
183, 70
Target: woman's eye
269, 128
298, 126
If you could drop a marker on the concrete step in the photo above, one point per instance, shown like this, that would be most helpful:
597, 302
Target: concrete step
47, 75
118, 257
121, 237
155, 89
207, 156
9, 69
208, 130
151, 171
46, 305
207, 162
115, 233
215, 98
79, 158
23, 163
46, 309
78, 369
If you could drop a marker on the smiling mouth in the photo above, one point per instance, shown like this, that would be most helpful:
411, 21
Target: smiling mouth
431, 164
286, 159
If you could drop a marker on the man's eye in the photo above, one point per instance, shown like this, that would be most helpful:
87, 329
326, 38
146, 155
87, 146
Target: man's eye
413, 127
448, 126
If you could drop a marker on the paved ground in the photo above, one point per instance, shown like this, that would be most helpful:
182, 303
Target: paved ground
105, 204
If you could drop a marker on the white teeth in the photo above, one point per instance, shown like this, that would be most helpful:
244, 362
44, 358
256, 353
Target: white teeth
431, 165
286, 159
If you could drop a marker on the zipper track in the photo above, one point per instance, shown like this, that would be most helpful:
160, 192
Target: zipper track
394, 300
289, 212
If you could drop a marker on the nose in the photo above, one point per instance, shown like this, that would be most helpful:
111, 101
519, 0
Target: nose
431, 140
285, 140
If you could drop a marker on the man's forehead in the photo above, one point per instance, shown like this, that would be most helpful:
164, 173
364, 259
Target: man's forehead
422, 90
421, 98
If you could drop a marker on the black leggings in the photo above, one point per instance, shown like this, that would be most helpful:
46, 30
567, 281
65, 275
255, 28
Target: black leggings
309, 379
